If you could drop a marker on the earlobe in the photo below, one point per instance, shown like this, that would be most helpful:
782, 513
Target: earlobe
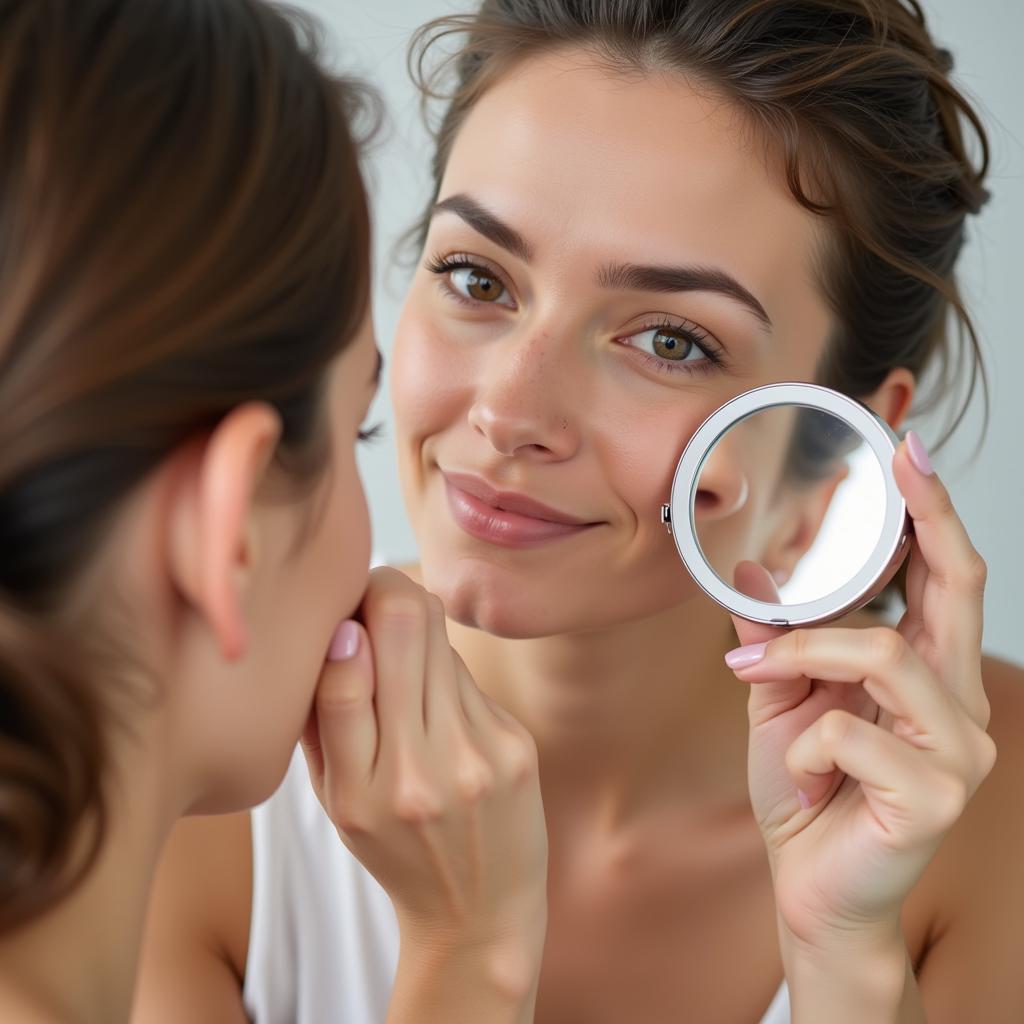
213, 530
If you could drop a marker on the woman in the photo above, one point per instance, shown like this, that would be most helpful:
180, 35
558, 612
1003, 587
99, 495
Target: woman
185, 362
641, 210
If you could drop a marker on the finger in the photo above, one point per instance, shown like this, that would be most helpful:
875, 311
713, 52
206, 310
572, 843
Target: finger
340, 741
775, 697
897, 782
954, 623
912, 620
397, 620
892, 673
442, 704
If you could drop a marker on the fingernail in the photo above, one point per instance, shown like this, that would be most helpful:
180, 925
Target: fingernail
805, 800
744, 657
345, 642
918, 454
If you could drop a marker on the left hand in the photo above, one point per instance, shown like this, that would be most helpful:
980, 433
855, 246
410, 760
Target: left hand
882, 730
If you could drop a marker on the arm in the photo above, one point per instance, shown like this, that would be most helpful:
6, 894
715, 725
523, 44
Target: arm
197, 929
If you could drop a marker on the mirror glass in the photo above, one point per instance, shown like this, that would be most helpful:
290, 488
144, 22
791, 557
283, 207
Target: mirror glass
789, 504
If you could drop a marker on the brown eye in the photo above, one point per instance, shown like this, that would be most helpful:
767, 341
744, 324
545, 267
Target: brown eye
476, 283
670, 346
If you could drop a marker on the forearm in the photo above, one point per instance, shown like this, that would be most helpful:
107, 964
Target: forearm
497, 984
865, 978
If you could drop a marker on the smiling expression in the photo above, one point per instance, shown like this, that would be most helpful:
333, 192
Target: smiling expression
610, 259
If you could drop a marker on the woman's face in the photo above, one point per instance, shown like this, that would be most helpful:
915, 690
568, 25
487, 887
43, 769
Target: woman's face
611, 258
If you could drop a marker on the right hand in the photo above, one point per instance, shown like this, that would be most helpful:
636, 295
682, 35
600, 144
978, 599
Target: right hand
430, 784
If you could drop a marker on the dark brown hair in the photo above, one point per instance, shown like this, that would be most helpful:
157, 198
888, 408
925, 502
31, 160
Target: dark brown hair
857, 97
183, 228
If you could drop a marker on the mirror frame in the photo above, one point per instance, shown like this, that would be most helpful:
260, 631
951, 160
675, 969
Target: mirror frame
887, 555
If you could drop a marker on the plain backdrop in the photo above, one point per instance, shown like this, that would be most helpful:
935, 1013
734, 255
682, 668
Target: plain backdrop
370, 39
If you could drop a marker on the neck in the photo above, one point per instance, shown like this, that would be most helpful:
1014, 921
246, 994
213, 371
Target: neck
78, 961
628, 718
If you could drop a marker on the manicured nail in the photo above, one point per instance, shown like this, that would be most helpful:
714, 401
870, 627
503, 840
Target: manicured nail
744, 657
805, 800
345, 642
918, 454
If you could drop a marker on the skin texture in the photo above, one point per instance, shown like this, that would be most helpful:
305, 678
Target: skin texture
661, 898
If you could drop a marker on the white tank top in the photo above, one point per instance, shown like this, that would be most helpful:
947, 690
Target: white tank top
323, 942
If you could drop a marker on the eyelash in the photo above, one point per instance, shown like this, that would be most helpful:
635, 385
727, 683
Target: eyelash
442, 265
372, 434
691, 333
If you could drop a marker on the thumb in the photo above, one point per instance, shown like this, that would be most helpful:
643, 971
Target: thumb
340, 739
754, 580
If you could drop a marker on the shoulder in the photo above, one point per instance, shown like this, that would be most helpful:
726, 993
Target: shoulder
973, 891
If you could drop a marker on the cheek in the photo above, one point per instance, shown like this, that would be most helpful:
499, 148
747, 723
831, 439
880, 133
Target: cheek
640, 448
430, 378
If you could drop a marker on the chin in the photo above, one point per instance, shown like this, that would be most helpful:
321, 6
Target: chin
483, 596
532, 604
242, 785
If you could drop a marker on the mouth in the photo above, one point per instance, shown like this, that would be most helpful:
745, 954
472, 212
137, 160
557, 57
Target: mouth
506, 518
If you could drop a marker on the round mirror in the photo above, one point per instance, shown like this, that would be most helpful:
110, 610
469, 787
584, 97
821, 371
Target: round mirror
784, 508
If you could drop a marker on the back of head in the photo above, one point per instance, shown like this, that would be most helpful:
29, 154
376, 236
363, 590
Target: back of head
183, 229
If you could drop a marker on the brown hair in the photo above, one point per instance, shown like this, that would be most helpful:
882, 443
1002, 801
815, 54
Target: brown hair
857, 96
183, 228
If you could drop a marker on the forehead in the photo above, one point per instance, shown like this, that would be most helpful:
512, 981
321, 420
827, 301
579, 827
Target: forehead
648, 168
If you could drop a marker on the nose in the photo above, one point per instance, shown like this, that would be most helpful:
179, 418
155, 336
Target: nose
525, 405
722, 487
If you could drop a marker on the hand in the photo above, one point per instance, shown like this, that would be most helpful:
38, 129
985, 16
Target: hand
865, 745
431, 785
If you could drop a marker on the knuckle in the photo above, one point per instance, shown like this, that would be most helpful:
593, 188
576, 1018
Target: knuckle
343, 696
521, 762
800, 642
987, 753
474, 780
975, 573
415, 803
887, 647
834, 726
402, 613
948, 801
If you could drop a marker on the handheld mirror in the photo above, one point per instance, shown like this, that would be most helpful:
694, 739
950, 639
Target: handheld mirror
784, 508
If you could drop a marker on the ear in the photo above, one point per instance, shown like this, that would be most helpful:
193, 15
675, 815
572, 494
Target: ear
894, 396
800, 525
212, 534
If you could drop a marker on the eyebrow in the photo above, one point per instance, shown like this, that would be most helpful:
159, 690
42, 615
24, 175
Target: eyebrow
485, 223
635, 277
623, 276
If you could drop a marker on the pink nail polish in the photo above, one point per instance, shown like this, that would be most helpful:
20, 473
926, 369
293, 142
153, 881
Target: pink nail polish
744, 657
918, 454
345, 642
805, 800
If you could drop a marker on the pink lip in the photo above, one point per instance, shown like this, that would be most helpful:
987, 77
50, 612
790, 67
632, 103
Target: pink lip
505, 518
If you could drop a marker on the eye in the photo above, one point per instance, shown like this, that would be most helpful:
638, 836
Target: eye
675, 348
471, 282
476, 283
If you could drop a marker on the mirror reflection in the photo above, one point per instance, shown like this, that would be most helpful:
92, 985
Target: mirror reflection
789, 504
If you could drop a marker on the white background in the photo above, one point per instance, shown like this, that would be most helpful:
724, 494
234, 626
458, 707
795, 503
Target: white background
985, 37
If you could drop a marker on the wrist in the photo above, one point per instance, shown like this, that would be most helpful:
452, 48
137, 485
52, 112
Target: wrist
847, 974
463, 979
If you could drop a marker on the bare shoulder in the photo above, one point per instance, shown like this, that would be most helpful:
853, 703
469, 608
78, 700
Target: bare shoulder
197, 928
974, 888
